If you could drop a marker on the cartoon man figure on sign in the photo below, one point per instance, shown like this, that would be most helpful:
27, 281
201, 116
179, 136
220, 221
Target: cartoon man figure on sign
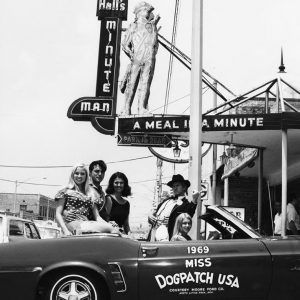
140, 44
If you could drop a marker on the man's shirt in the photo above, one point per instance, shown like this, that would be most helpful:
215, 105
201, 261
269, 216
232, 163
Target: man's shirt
292, 215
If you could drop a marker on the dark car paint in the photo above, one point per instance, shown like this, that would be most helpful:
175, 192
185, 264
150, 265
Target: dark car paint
266, 268
242, 258
286, 267
29, 262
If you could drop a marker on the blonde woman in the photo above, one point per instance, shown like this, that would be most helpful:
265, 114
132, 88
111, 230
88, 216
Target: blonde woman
77, 197
182, 227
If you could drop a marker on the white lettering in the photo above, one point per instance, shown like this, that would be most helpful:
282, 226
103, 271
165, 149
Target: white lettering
122, 6
205, 123
233, 122
106, 107
167, 125
160, 279
115, 5
190, 278
181, 278
219, 123
109, 50
96, 107
108, 62
186, 123
158, 124
107, 73
111, 25
101, 4
228, 280
150, 125
169, 280
136, 125
200, 262
209, 278
260, 122
85, 106
243, 122
106, 87
174, 125
251, 121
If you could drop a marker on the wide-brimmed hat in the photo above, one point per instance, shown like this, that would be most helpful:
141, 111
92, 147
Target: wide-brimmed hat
142, 5
178, 178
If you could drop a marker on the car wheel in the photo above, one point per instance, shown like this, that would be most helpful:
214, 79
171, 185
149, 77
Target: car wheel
73, 287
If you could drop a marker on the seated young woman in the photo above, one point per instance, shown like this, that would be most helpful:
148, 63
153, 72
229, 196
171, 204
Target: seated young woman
117, 207
182, 227
79, 198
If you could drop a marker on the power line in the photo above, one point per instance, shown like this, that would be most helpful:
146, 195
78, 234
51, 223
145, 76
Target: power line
31, 183
55, 167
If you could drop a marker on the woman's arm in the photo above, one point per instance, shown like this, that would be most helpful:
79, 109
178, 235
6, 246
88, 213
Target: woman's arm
96, 214
59, 217
108, 205
126, 226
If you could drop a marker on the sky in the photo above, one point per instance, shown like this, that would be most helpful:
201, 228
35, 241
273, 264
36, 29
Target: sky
48, 59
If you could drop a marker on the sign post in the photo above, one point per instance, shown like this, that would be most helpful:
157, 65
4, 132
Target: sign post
196, 106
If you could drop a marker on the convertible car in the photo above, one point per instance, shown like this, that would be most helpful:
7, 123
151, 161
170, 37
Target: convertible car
230, 261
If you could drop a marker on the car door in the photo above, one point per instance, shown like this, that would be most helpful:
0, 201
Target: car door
226, 269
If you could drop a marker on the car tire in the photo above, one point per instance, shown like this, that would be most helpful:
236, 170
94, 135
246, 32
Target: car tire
78, 285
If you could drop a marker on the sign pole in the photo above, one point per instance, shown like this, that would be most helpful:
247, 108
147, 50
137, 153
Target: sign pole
196, 106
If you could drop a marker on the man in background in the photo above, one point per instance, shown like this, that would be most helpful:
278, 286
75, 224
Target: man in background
277, 219
292, 216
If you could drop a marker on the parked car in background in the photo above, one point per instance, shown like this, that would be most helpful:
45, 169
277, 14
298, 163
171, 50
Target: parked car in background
237, 263
48, 229
13, 229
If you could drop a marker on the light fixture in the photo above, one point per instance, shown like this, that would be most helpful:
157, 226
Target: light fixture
176, 149
224, 158
231, 150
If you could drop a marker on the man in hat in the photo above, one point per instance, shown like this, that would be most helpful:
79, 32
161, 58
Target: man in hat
140, 45
167, 211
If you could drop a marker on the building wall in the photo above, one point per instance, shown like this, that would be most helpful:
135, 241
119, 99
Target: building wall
243, 192
34, 205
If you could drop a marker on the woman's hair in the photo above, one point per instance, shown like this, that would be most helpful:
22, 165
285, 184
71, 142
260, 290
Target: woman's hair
178, 223
110, 189
72, 184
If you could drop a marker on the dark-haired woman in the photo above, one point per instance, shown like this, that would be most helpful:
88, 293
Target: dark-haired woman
117, 207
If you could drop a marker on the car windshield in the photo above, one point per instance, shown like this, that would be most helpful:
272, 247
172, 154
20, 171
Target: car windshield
16, 228
231, 222
47, 232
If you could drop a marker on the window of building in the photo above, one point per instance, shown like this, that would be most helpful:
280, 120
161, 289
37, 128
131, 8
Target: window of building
23, 207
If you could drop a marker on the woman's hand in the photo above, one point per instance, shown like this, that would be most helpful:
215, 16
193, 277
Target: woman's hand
69, 215
195, 196
152, 219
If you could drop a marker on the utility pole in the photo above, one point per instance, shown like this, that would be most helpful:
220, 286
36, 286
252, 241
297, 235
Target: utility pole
158, 191
15, 196
214, 159
196, 105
